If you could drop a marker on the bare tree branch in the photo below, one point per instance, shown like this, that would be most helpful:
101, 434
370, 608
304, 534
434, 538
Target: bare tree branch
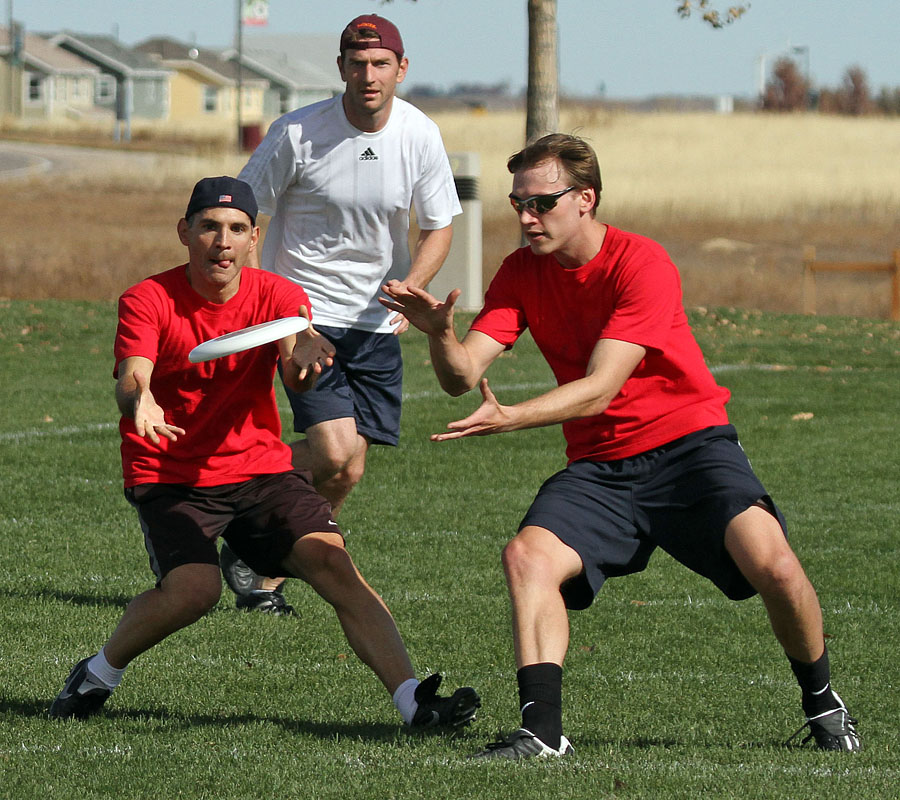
716, 18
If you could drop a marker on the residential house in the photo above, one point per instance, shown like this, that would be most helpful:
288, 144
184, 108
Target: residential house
203, 90
294, 80
130, 83
47, 83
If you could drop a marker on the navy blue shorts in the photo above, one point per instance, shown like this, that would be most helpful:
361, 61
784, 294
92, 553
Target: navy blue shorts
365, 383
679, 497
261, 519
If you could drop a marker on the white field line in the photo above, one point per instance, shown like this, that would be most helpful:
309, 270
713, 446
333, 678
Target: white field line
68, 430
72, 430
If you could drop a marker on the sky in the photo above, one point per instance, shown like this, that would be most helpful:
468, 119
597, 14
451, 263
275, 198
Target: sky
621, 48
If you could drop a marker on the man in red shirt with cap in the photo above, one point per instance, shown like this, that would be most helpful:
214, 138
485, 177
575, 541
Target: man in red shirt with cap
202, 458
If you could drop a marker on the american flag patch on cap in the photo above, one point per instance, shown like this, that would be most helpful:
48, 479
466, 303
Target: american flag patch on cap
224, 198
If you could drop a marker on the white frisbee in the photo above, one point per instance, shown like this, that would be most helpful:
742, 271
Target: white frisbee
237, 341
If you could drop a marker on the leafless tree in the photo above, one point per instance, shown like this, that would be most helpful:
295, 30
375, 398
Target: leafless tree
787, 90
857, 99
889, 100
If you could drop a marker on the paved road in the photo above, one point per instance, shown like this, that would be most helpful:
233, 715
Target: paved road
15, 164
24, 160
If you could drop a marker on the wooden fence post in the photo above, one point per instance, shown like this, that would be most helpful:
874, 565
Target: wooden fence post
809, 280
895, 288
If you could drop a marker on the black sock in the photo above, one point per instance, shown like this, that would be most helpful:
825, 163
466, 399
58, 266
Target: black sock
815, 684
540, 698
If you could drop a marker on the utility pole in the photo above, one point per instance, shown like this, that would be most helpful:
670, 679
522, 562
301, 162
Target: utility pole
240, 74
10, 59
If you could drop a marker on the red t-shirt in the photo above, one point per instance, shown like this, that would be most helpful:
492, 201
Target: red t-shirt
226, 406
629, 291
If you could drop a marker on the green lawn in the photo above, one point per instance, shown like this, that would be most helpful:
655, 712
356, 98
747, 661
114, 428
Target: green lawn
670, 690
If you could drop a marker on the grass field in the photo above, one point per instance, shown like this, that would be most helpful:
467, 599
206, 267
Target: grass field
670, 690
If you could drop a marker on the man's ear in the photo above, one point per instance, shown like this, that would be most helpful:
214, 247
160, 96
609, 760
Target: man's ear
404, 66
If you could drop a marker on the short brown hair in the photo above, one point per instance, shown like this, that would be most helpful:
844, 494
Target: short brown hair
575, 155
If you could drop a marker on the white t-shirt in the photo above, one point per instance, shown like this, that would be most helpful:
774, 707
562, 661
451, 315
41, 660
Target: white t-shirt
340, 198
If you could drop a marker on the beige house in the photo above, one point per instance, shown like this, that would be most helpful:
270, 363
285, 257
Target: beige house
203, 91
41, 81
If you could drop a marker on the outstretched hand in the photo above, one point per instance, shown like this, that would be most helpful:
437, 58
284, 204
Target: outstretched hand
312, 352
149, 417
419, 308
490, 417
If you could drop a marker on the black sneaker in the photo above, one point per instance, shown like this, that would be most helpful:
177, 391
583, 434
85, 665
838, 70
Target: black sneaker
522, 743
267, 602
239, 577
80, 697
831, 730
453, 712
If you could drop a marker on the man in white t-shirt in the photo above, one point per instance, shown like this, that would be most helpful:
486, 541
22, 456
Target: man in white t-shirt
338, 179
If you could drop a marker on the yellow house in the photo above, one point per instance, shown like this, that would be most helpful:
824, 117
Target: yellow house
43, 81
203, 89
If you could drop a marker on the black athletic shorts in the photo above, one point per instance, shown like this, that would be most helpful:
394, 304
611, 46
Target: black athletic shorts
679, 497
364, 383
261, 519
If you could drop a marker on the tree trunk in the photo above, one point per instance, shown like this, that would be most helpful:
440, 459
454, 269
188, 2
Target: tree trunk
542, 115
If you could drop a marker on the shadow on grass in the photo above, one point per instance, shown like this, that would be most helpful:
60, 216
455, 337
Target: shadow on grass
97, 600
164, 718
668, 743
73, 598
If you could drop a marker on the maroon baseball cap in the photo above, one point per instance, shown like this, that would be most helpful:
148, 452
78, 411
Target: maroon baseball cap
388, 35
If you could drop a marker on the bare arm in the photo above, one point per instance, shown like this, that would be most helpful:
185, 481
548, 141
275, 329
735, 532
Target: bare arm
136, 401
610, 365
458, 365
428, 255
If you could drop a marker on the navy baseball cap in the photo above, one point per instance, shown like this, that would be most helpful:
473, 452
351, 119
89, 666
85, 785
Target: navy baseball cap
222, 192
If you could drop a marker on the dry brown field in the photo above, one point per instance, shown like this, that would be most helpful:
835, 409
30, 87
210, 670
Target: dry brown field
734, 198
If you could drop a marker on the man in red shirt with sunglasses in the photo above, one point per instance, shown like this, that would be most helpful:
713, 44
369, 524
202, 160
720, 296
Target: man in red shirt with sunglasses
653, 461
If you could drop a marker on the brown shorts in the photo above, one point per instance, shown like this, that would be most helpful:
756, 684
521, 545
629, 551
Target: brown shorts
261, 519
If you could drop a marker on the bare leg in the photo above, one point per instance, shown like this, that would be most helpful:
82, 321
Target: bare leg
184, 596
756, 543
335, 453
321, 560
537, 563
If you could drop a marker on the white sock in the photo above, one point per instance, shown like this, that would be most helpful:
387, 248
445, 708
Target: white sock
405, 699
100, 668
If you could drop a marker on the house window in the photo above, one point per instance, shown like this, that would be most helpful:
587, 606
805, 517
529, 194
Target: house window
105, 89
35, 88
210, 98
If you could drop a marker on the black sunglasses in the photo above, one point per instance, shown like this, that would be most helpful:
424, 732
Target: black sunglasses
538, 203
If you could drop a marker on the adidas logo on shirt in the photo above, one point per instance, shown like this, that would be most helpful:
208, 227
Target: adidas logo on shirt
368, 155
